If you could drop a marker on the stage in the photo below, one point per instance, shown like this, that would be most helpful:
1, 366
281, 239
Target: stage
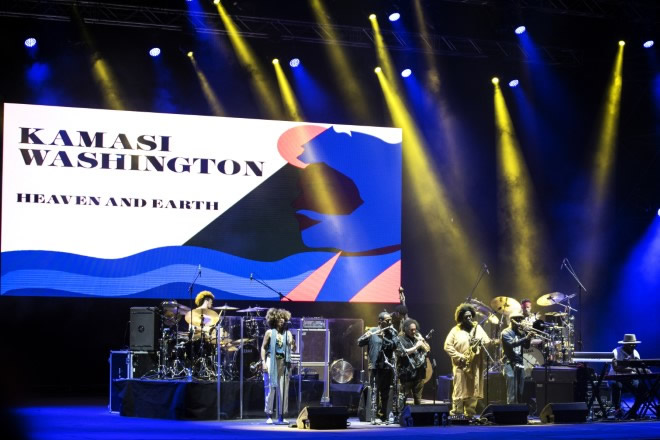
85, 420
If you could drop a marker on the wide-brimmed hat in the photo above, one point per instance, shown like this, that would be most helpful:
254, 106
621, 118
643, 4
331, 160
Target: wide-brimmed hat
516, 315
629, 338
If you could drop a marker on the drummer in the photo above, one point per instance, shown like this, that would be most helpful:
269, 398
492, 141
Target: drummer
530, 318
203, 300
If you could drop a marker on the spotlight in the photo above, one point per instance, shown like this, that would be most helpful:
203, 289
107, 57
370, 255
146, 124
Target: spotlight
513, 83
276, 61
648, 44
30, 42
622, 43
295, 62
154, 52
372, 17
394, 16
215, 2
495, 80
190, 54
659, 212
405, 73
520, 30
378, 70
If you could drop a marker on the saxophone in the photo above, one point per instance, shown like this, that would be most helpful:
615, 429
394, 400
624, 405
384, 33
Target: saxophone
472, 351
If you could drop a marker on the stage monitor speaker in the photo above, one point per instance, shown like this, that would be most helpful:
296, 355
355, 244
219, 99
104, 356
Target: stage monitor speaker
573, 412
513, 414
144, 329
323, 417
424, 415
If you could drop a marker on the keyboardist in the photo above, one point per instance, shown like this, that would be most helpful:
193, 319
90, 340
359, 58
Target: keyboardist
627, 350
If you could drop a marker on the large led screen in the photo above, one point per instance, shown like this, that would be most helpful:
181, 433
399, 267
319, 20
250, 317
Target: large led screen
104, 203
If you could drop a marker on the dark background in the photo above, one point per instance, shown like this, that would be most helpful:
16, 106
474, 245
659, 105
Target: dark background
60, 346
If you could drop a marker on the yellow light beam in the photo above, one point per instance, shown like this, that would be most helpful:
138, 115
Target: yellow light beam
603, 166
288, 96
384, 59
101, 70
209, 94
439, 215
517, 218
247, 58
348, 86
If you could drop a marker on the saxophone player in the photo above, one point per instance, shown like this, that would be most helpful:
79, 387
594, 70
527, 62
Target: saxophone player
463, 344
411, 351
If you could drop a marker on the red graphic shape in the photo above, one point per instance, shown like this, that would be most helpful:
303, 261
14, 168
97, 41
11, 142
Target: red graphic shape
290, 144
310, 287
382, 289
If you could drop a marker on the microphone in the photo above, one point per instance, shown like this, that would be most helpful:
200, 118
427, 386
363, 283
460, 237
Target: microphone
199, 269
251, 276
428, 335
486, 269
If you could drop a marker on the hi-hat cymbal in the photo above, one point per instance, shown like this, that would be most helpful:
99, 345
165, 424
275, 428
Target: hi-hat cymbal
241, 341
253, 310
550, 299
225, 307
505, 305
202, 317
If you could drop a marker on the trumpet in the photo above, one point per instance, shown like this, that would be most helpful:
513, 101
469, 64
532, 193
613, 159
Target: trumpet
527, 328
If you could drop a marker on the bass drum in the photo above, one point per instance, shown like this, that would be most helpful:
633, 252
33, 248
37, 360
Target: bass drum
250, 355
532, 357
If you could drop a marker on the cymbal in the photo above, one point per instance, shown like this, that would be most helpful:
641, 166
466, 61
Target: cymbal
202, 317
481, 307
253, 310
505, 305
173, 311
239, 341
550, 299
556, 314
225, 307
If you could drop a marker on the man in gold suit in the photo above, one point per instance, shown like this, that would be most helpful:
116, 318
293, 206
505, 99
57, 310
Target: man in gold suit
464, 344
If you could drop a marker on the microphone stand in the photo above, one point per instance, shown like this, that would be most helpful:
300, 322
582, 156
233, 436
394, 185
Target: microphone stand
191, 331
263, 283
483, 270
581, 288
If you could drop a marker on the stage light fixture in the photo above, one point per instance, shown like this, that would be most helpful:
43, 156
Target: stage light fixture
30, 42
405, 73
648, 44
622, 43
495, 80
190, 54
658, 212
295, 62
276, 61
394, 16
378, 70
216, 2
514, 83
154, 52
372, 17
520, 30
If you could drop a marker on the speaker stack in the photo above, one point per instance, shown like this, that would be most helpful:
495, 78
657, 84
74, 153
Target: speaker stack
145, 327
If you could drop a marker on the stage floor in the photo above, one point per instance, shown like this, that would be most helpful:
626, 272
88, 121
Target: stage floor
84, 421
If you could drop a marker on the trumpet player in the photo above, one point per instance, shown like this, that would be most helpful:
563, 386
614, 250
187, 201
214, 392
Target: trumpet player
463, 344
380, 341
514, 339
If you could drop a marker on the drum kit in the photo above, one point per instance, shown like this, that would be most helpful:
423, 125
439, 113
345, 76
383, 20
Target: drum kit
553, 334
193, 353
